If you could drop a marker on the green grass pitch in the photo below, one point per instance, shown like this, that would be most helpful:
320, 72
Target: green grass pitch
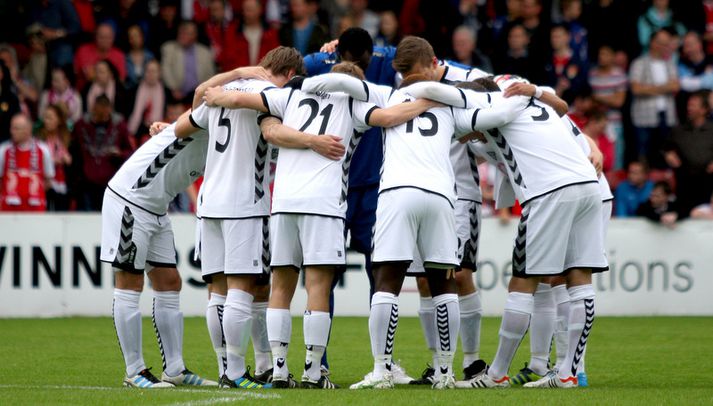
650, 360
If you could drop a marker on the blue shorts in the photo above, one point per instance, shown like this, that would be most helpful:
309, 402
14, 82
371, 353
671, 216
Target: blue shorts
361, 216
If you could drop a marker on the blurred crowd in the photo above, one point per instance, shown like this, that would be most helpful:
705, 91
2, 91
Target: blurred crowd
90, 77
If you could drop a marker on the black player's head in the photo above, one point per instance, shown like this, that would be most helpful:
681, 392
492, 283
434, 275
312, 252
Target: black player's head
485, 84
355, 45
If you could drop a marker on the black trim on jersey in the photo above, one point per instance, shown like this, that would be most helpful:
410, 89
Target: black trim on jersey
263, 116
162, 159
264, 101
161, 264
351, 107
445, 73
391, 93
470, 200
235, 218
124, 267
368, 114
556, 189
308, 214
132, 203
292, 91
489, 98
419, 188
193, 122
462, 95
474, 119
607, 200
366, 89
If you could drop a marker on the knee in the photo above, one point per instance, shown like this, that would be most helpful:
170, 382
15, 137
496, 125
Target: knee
129, 281
464, 282
165, 279
422, 284
262, 293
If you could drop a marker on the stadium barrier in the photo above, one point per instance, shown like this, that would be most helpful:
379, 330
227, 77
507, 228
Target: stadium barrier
50, 267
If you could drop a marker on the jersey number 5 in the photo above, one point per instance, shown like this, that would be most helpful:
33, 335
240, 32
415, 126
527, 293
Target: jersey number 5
223, 122
313, 110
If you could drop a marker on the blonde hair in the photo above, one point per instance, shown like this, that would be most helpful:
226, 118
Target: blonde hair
349, 68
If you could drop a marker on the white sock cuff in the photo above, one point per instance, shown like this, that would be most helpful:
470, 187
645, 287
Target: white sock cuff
126, 295
279, 325
425, 304
560, 294
167, 299
259, 306
470, 304
543, 288
384, 298
520, 302
237, 295
445, 298
316, 328
544, 300
216, 300
581, 292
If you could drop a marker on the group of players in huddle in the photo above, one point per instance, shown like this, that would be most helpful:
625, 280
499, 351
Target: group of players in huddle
429, 133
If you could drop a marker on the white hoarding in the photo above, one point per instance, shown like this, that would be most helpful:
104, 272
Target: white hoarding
49, 266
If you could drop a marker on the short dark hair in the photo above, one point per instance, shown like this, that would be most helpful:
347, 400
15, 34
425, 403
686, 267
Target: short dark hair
484, 84
665, 186
103, 100
355, 45
703, 96
410, 51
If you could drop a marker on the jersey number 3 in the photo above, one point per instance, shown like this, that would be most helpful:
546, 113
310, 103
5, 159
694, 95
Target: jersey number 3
223, 122
313, 110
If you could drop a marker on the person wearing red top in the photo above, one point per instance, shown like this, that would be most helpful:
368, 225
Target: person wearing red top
100, 145
595, 127
89, 54
255, 39
25, 169
222, 33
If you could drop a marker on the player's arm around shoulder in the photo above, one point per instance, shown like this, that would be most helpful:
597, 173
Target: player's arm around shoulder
276, 133
231, 99
400, 113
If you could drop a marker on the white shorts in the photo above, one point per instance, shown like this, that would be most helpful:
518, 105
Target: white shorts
468, 219
234, 247
560, 231
409, 219
133, 237
307, 240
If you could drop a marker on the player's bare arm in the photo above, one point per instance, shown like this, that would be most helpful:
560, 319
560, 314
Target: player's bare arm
184, 127
595, 157
276, 133
247, 72
549, 98
399, 114
218, 97
157, 127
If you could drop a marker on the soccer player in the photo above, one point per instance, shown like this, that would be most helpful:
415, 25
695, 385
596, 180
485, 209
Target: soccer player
560, 229
234, 210
308, 210
136, 232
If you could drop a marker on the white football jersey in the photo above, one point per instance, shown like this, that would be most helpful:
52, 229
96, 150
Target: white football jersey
416, 153
466, 172
305, 181
457, 74
160, 169
503, 193
604, 187
536, 163
236, 181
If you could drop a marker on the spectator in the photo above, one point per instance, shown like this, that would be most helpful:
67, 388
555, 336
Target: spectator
501, 25
634, 191
363, 17
566, 73
708, 34
8, 100
695, 70
89, 54
571, 18
36, 68
106, 83
223, 35
185, 63
26, 93
595, 127
690, 154
465, 49
124, 14
56, 135
661, 206
61, 92
100, 145
609, 85
582, 107
137, 57
703, 211
388, 30
612, 22
654, 83
517, 60
150, 101
304, 32
656, 18
537, 30
164, 27
59, 24
255, 39
25, 169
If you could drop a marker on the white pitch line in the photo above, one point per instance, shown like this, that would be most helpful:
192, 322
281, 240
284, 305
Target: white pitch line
233, 395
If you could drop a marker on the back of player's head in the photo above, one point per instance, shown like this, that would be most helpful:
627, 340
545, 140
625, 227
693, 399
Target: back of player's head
281, 60
355, 45
349, 68
506, 80
410, 51
414, 78
484, 84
